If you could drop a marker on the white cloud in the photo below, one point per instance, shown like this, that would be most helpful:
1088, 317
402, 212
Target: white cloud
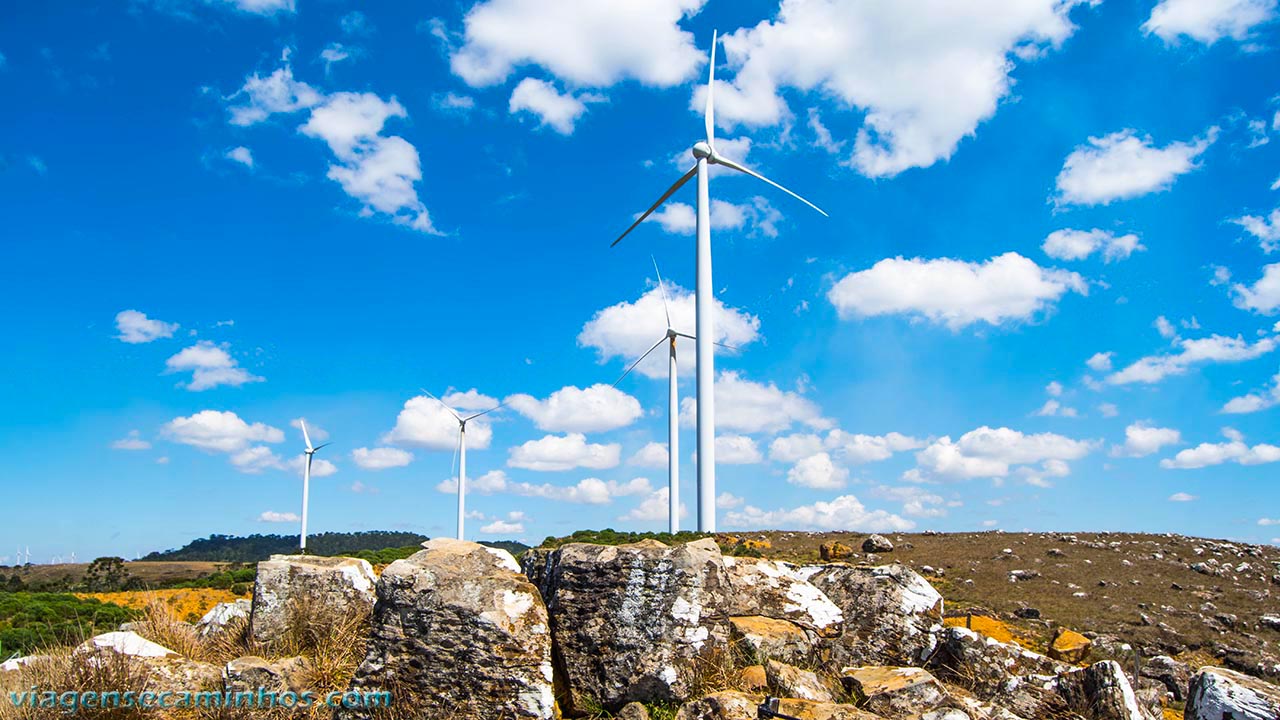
452, 102
1108, 410
1182, 497
1007, 287
275, 93
215, 431
1141, 440
655, 506
426, 423
210, 365
557, 110
261, 7
652, 455
335, 53
1234, 450
1054, 389
241, 155
135, 327
317, 433
571, 409
355, 23
1262, 297
841, 513
728, 501
503, 527
1207, 21
757, 217
751, 407
1265, 229
1267, 522
992, 452
1122, 165
628, 329
1079, 244
319, 466
588, 43
494, 481
272, 516
1055, 408
737, 450
1213, 349
381, 458
916, 501
1255, 401
132, 441
555, 452
818, 472
792, 448
919, 75
858, 448
588, 491
1165, 328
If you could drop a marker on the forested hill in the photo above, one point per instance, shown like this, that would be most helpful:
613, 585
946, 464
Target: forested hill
255, 548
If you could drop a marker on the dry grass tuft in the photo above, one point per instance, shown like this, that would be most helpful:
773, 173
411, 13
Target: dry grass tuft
160, 625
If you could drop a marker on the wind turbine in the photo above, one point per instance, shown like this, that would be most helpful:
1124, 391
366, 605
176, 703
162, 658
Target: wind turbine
306, 481
461, 453
704, 151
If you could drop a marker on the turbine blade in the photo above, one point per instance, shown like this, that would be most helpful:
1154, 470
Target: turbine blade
446, 407
670, 191
316, 448
665, 307
727, 347
485, 412
686, 335
735, 166
710, 115
305, 436
638, 361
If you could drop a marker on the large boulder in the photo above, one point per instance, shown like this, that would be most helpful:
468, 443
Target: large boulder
891, 614
794, 682
635, 622
1069, 646
758, 639
833, 551
252, 673
894, 692
293, 587
1217, 693
1102, 692
774, 589
877, 544
458, 632
222, 614
985, 665
731, 705
127, 643
1174, 675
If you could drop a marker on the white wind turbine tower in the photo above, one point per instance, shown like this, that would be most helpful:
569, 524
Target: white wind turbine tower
461, 453
306, 480
705, 153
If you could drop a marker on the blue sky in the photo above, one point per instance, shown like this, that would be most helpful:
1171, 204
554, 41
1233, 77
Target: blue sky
1047, 295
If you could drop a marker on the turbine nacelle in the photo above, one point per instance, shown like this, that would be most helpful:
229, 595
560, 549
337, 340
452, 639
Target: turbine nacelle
702, 151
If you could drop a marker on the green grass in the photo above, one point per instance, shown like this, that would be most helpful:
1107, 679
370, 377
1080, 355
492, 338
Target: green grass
609, 536
31, 621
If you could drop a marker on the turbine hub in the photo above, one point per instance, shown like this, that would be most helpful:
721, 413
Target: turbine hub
702, 150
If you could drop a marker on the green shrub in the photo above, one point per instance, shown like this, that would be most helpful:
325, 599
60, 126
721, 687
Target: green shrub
30, 621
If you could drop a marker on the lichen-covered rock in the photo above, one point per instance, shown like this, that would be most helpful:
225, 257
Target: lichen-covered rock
1215, 692
1174, 675
1102, 692
290, 586
877, 544
178, 674
834, 550
985, 665
458, 632
633, 622
251, 673
891, 614
894, 692
1070, 646
776, 589
730, 705
759, 638
633, 711
795, 682
221, 614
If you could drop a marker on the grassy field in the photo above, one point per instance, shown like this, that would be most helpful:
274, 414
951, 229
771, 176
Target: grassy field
185, 604
152, 574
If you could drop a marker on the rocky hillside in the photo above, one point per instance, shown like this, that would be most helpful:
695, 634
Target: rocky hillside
686, 631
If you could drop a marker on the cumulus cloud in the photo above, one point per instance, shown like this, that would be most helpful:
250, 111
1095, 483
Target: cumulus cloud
751, 407
242, 155
556, 110
655, 506
728, 501
1255, 401
1142, 439
319, 466
272, 516
916, 501
819, 472
135, 327
757, 217
992, 452
1123, 165
564, 452
588, 491
845, 512
588, 43
512, 525
1266, 229
210, 365
1054, 408
219, 431
1263, 296
425, 423
737, 450
571, 409
652, 455
1213, 349
276, 93
915, 77
1234, 450
1071, 244
853, 448
1006, 288
132, 441
1208, 21
381, 458
628, 329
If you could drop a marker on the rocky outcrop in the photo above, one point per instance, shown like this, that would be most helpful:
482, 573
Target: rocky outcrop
877, 544
832, 551
458, 632
1217, 693
775, 589
758, 639
891, 614
1070, 646
731, 705
984, 665
128, 643
794, 682
894, 692
634, 622
221, 615
1173, 675
250, 673
306, 586
1101, 692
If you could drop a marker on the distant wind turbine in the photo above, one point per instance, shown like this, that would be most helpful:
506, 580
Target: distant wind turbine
306, 481
461, 455
705, 153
